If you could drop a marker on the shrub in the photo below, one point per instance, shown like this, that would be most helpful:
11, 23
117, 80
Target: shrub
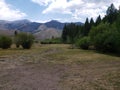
25, 40
5, 42
105, 38
51, 41
83, 43
17, 41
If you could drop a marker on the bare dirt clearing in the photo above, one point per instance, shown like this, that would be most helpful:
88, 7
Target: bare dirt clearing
55, 67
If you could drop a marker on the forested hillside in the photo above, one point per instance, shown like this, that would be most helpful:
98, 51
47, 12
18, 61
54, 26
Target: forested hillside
102, 35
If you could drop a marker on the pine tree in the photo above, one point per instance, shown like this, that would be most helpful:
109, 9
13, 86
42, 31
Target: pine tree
70, 33
111, 9
111, 14
91, 22
64, 34
98, 20
86, 27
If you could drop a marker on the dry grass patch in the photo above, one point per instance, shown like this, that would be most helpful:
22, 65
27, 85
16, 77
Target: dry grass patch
70, 69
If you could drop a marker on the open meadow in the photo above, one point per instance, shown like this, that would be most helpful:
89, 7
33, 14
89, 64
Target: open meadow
57, 67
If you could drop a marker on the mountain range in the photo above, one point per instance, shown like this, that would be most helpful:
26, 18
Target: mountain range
41, 30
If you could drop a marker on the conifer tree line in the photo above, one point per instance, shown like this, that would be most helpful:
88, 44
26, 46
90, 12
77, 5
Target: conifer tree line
102, 34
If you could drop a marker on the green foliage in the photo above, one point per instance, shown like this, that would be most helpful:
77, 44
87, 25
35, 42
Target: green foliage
105, 38
104, 33
91, 22
25, 40
117, 22
98, 30
111, 9
64, 34
70, 33
111, 16
98, 20
5, 42
86, 27
51, 41
83, 43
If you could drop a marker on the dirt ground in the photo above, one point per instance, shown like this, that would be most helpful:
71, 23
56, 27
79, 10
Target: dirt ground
56, 67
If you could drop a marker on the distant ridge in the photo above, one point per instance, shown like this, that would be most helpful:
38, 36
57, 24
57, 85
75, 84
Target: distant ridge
41, 31
28, 26
22, 25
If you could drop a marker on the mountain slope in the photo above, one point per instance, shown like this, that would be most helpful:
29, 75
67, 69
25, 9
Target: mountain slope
43, 32
22, 25
28, 26
39, 30
55, 24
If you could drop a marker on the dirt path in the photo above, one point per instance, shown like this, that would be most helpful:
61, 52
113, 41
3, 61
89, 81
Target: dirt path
30, 78
20, 72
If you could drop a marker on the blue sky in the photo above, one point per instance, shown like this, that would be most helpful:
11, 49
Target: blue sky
61, 10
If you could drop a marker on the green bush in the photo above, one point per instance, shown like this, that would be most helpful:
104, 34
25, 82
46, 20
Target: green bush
51, 41
25, 40
83, 43
105, 38
5, 42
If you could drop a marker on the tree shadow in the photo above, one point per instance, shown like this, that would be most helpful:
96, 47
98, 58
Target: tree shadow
109, 53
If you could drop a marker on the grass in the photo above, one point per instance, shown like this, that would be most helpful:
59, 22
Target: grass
82, 69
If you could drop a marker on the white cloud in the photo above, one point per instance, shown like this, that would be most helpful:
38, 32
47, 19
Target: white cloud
43, 2
63, 6
47, 20
78, 9
7, 13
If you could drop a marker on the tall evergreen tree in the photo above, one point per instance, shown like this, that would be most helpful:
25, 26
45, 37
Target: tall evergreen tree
70, 33
111, 14
86, 27
91, 23
117, 22
64, 34
98, 20
111, 9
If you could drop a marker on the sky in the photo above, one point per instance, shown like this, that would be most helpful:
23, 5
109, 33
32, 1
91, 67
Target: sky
61, 10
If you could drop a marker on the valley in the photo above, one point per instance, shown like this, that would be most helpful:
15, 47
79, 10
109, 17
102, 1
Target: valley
57, 67
59, 45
